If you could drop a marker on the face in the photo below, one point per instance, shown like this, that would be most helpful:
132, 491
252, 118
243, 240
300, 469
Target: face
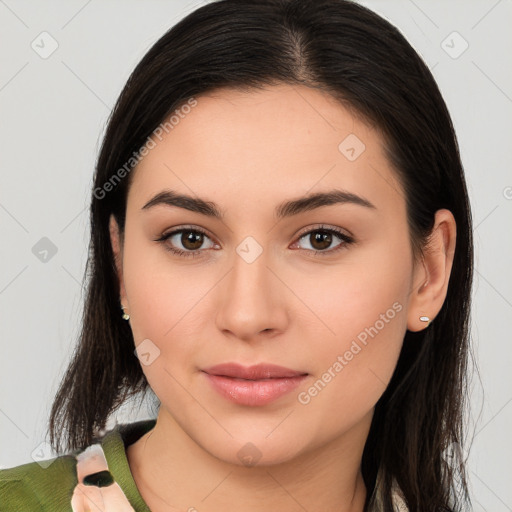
321, 288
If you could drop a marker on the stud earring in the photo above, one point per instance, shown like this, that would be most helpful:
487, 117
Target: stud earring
425, 319
126, 316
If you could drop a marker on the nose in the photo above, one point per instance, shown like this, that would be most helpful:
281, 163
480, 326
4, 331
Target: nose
252, 300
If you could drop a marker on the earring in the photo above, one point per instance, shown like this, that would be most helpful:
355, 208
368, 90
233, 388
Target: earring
425, 319
126, 316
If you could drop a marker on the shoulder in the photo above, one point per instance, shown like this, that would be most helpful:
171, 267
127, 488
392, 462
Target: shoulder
44, 485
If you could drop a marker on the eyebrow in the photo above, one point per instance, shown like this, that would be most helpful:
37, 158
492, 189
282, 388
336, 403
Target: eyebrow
285, 209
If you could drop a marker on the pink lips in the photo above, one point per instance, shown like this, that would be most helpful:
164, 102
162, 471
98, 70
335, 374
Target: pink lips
253, 385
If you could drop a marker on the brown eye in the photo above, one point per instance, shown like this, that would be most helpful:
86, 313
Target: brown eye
186, 242
321, 239
191, 240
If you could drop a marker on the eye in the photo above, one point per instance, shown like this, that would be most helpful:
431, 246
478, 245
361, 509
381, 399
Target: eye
322, 237
190, 239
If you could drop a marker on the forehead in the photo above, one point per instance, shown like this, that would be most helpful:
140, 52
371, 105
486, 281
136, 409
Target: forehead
262, 144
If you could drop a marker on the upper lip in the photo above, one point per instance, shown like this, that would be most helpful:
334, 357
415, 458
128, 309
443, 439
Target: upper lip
259, 371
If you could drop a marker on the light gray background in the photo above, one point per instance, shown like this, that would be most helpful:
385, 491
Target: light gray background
53, 114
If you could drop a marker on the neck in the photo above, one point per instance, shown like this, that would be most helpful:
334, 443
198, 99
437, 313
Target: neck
172, 472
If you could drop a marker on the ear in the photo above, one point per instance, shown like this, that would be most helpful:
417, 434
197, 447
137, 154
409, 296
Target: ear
117, 249
432, 273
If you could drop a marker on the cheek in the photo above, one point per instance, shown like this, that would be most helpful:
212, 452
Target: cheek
362, 308
165, 309
160, 290
351, 373
161, 297
368, 289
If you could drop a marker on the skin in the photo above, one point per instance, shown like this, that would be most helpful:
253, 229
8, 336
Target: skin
248, 152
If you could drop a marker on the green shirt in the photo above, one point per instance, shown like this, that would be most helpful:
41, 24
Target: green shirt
49, 485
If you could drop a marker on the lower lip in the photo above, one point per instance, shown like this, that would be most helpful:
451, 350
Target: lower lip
254, 392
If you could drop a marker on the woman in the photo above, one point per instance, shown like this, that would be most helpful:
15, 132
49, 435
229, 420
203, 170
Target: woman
281, 252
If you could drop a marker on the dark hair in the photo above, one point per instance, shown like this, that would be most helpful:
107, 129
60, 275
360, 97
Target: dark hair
366, 63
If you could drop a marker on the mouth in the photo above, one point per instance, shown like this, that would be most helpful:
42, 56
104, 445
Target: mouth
254, 385
256, 372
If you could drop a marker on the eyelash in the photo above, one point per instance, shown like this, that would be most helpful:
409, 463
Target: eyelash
347, 240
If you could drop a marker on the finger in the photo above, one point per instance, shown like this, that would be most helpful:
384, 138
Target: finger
87, 498
115, 500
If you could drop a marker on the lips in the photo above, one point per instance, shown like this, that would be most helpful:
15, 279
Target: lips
254, 385
256, 372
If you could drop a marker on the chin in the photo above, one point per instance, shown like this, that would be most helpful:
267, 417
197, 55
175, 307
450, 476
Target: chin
256, 450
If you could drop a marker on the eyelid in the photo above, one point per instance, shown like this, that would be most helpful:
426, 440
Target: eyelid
303, 232
189, 227
325, 227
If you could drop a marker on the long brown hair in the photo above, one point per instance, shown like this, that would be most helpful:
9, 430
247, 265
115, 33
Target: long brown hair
417, 435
